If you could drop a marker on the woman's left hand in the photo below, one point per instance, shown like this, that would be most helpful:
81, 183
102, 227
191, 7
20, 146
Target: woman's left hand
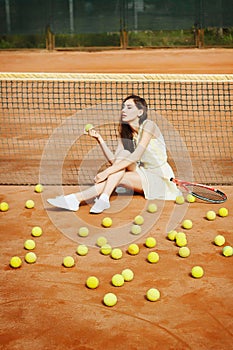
100, 177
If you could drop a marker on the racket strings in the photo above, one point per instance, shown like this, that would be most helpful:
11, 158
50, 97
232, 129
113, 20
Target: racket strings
204, 192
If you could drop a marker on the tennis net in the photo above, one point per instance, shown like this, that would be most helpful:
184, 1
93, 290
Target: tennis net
43, 118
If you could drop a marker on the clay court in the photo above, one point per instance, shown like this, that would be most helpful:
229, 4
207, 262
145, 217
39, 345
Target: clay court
47, 306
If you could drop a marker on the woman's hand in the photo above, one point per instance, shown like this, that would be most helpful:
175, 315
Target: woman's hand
100, 177
95, 134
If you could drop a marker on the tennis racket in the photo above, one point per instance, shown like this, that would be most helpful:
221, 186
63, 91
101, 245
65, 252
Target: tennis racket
203, 192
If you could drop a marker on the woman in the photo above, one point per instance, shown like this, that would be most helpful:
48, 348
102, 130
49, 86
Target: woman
139, 163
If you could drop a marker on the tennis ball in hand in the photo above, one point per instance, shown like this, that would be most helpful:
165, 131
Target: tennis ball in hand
184, 252
4, 206
153, 294
118, 280
29, 204
83, 231
180, 200
101, 241
227, 251
15, 262
92, 282
197, 272
136, 229
219, 240
30, 258
127, 274
38, 188
88, 127
37, 231
190, 198
210, 215
150, 242
107, 222
110, 299
68, 261
133, 249
82, 250
106, 249
138, 220
152, 208
153, 257
29, 244
187, 224
223, 212
116, 253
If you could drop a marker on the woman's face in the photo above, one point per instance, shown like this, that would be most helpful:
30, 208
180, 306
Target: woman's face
130, 112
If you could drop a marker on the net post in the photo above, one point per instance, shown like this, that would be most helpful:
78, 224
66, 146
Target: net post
50, 39
124, 39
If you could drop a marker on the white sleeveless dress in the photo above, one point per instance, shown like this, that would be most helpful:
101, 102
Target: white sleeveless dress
154, 170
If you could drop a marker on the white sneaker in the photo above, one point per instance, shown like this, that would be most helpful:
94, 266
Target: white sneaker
69, 202
99, 206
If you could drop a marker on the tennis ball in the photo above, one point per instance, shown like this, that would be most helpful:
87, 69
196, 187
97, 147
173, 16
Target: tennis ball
68, 261
133, 249
150, 242
37, 231
30, 258
127, 274
83, 231
223, 212
106, 249
110, 299
4, 206
116, 253
180, 200
29, 204
181, 242
211, 215
227, 251
172, 235
136, 229
219, 240
190, 198
88, 127
153, 294
15, 262
152, 208
153, 257
82, 250
118, 280
187, 224
107, 222
29, 244
101, 241
184, 252
180, 235
138, 220
92, 282
38, 188
197, 272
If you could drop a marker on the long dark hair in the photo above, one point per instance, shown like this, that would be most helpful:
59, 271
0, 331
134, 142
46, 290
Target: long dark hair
126, 133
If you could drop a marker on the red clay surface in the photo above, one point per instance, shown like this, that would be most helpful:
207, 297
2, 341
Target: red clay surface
47, 306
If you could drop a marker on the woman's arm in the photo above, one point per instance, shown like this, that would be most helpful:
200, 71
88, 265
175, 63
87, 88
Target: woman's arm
107, 152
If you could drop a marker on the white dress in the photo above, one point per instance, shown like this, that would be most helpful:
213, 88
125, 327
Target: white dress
154, 170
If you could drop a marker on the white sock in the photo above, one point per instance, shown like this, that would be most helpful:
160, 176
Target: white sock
104, 197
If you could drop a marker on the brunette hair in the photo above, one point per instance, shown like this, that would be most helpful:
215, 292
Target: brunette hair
126, 133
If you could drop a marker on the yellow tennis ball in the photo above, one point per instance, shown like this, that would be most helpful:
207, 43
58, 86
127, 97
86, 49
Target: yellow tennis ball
153, 257
29, 244
101, 241
138, 220
181, 242
180, 200
107, 222
187, 224
30, 258
227, 251
92, 282
116, 253
82, 250
153, 294
37, 231
110, 299
197, 272
184, 252
29, 204
15, 262
219, 240
152, 208
150, 242
128, 275
38, 188
83, 231
210, 215
4, 206
106, 249
180, 235
190, 198
118, 280
223, 212
68, 261
136, 229
88, 127
133, 249
171, 235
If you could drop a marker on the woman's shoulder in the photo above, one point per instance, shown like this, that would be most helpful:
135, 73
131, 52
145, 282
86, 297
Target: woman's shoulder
149, 126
